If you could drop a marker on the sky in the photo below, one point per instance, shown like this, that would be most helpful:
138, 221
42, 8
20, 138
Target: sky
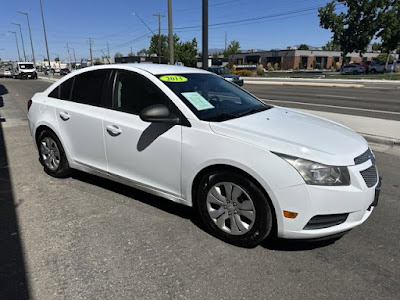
256, 24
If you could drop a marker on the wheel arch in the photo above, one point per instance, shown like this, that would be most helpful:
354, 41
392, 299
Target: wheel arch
224, 167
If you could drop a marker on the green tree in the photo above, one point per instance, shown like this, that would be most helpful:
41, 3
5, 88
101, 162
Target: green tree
331, 46
186, 52
233, 48
383, 57
143, 51
304, 47
130, 54
57, 59
118, 54
376, 46
389, 23
353, 28
153, 49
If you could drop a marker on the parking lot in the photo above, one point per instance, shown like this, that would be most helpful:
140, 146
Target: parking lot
88, 238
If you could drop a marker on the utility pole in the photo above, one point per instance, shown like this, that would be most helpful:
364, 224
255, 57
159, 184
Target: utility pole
226, 40
205, 35
90, 49
16, 41
30, 36
22, 39
170, 34
159, 35
69, 54
73, 49
45, 36
108, 50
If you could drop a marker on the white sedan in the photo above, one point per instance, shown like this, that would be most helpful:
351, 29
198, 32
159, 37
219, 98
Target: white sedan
187, 135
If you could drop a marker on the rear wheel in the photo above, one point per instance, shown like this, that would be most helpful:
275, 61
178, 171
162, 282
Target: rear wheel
234, 208
52, 155
355, 72
373, 71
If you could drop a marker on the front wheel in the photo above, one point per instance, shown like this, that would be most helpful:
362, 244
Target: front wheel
52, 155
234, 209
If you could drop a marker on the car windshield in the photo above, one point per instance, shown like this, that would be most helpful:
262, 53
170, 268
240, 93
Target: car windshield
212, 98
26, 66
220, 71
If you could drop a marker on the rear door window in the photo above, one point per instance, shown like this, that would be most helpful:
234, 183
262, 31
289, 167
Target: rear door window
88, 87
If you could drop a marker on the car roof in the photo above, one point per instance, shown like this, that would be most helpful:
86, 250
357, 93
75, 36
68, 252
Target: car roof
155, 69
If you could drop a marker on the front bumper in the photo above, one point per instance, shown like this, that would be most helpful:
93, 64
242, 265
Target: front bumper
342, 207
28, 75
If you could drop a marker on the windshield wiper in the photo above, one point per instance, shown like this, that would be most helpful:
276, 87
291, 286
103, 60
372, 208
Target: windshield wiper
254, 110
222, 117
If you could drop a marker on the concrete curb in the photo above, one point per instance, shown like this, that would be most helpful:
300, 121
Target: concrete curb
381, 140
47, 79
326, 84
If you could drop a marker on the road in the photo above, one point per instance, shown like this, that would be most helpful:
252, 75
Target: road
380, 102
88, 238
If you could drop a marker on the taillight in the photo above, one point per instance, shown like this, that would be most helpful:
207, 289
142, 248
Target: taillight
29, 104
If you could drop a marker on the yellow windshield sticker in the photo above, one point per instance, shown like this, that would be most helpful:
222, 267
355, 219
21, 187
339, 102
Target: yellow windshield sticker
173, 78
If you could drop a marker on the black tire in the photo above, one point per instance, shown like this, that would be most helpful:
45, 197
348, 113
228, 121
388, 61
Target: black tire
63, 170
263, 222
355, 72
373, 71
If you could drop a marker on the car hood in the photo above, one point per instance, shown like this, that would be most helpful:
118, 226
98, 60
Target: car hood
297, 134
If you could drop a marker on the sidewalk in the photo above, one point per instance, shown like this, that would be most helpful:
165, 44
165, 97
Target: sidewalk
374, 130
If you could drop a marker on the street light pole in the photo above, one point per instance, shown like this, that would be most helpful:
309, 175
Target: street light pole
45, 36
16, 41
30, 36
205, 35
22, 39
170, 34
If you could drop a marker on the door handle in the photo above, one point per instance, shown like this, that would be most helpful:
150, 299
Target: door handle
64, 116
113, 130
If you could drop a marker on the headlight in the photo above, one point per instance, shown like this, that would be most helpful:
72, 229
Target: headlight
315, 173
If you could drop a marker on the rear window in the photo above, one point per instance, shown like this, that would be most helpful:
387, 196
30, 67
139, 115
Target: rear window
88, 87
63, 91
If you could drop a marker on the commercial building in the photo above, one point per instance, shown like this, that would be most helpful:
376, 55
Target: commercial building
297, 59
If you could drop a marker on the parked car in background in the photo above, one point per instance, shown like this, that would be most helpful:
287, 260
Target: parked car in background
380, 67
5, 72
250, 169
64, 71
353, 69
224, 72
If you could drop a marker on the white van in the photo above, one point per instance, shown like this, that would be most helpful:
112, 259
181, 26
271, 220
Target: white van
24, 70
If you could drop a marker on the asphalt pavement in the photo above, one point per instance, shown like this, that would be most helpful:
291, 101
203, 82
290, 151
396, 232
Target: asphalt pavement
89, 238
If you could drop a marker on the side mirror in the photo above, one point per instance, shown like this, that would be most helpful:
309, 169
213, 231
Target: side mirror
159, 113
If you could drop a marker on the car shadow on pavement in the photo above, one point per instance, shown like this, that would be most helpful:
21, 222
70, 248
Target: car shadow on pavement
190, 213
279, 244
13, 281
135, 194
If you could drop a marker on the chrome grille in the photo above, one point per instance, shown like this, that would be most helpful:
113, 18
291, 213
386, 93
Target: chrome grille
365, 157
370, 176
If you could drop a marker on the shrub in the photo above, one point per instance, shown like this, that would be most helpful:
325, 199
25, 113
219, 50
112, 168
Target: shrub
244, 73
276, 66
260, 70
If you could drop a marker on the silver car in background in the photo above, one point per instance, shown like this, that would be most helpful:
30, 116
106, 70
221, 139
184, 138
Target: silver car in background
353, 69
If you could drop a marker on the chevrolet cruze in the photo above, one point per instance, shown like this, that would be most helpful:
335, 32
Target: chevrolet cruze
187, 135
